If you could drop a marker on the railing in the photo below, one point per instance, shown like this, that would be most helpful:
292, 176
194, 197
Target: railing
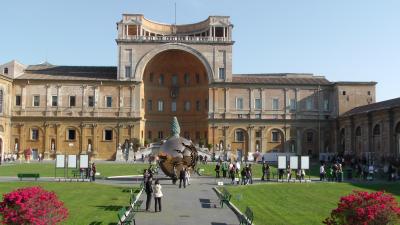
175, 38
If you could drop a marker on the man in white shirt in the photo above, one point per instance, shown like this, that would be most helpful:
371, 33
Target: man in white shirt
322, 172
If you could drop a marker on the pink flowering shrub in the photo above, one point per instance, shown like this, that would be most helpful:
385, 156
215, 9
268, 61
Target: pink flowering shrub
32, 205
363, 208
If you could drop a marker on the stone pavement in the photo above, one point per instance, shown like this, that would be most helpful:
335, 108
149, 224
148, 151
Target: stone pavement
196, 204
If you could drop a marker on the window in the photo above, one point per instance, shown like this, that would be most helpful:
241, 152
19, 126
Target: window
275, 136
187, 106
108, 101
151, 77
239, 103
34, 134
161, 79
149, 135
54, 100
257, 103
257, 116
128, 71
173, 106
275, 104
71, 134
326, 105
174, 80
221, 73
197, 105
5, 70
1, 101
369, 92
293, 104
187, 79
197, 78
239, 136
108, 135
309, 103
18, 100
91, 101
36, 100
160, 105
310, 137
72, 101
160, 135
343, 92
150, 105
258, 134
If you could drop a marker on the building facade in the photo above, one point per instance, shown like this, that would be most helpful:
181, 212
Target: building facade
164, 71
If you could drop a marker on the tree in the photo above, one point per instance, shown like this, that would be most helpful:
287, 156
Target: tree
32, 205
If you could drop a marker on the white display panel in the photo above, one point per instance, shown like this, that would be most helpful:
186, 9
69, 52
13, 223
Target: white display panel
294, 162
60, 161
71, 161
305, 162
281, 162
83, 161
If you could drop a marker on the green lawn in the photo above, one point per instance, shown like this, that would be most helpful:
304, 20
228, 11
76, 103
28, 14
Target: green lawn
47, 169
88, 203
294, 203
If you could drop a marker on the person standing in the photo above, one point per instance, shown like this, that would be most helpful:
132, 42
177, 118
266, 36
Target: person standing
322, 172
224, 169
217, 168
232, 172
149, 190
93, 172
250, 175
289, 173
182, 178
157, 195
187, 178
243, 176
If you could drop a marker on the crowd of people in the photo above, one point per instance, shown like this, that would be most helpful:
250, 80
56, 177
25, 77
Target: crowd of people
244, 175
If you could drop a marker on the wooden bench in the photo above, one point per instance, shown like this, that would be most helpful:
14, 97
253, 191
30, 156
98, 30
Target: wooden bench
76, 173
126, 217
247, 218
28, 175
224, 197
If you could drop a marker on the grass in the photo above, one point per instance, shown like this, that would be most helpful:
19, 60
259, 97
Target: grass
47, 169
282, 203
88, 203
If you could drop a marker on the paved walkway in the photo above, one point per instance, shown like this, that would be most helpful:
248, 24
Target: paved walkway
196, 204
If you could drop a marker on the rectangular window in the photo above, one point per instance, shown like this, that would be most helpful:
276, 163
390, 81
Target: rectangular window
275, 104
187, 106
173, 106
160, 105
239, 103
34, 134
326, 105
258, 134
293, 104
257, 103
128, 71
275, 136
221, 73
108, 101
309, 103
108, 135
160, 135
197, 105
71, 134
257, 116
18, 100
187, 79
343, 92
54, 100
239, 136
150, 105
91, 101
36, 100
72, 101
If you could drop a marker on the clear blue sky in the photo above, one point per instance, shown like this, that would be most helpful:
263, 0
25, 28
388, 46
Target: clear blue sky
356, 40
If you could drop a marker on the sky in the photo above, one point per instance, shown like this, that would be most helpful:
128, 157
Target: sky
343, 40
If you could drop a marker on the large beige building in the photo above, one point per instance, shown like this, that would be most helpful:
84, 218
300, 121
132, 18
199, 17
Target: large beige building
164, 71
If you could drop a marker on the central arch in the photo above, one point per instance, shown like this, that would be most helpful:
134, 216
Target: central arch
175, 83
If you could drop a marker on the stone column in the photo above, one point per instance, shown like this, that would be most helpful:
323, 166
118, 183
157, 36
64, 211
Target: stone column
22, 139
82, 148
296, 96
370, 136
58, 141
48, 97
23, 96
392, 135
46, 153
227, 100
95, 141
58, 100
251, 102
121, 99
84, 104
250, 142
298, 141
213, 101
96, 99
262, 142
132, 98
131, 129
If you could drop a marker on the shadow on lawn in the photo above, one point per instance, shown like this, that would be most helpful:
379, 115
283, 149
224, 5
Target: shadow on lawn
110, 207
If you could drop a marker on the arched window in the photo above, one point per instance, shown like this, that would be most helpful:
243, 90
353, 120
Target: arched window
1, 101
358, 131
377, 130
239, 135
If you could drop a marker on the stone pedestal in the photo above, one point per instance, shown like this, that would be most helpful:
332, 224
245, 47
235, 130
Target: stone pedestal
131, 155
119, 156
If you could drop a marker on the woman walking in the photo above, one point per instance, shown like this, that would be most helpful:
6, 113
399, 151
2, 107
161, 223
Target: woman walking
157, 195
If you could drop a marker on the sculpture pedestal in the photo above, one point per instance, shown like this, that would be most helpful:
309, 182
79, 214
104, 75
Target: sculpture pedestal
119, 156
131, 156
